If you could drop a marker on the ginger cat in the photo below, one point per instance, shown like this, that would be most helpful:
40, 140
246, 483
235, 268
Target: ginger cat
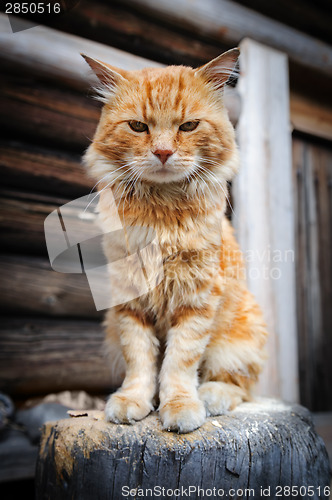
195, 342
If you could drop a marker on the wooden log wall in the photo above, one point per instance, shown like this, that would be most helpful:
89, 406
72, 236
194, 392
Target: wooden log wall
47, 120
50, 337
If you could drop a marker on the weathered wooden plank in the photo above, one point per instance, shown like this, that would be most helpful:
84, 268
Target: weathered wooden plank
47, 114
112, 23
55, 55
29, 285
50, 53
323, 193
302, 283
43, 170
39, 356
312, 192
263, 208
311, 117
22, 218
254, 452
309, 17
229, 22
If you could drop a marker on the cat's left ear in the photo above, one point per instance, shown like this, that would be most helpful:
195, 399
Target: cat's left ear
221, 68
107, 74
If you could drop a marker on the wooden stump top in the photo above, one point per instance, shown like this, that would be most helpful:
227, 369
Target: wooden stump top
265, 444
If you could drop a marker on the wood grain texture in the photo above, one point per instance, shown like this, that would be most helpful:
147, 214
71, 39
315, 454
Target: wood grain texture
39, 356
312, 170
29, 285
262, 445
44, 170
22, 218
230, 22
264, 208
311, 117
112, 23
47, 114
309, 16
50, 53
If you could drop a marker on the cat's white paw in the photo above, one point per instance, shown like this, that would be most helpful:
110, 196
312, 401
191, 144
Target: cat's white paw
184, 415
219, 397
124, 408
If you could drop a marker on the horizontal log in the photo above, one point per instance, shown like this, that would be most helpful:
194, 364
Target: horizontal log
39, 356
311, 117
29, 286
22, 218
314, 19
228, 22
50, 53
55, 55
42, 170
114, 24
46, 114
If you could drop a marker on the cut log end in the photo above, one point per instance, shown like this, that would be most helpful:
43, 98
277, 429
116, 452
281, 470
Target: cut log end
261, 445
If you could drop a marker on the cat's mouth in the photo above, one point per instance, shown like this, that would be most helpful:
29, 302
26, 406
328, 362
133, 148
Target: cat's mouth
163, 174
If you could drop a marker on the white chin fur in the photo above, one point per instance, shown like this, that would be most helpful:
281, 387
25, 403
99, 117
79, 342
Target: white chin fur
163, 176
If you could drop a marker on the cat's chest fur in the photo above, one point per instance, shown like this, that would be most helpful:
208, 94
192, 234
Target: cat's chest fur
188, 244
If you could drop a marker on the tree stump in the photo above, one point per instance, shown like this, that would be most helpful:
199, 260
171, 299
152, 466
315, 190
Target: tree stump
262, 449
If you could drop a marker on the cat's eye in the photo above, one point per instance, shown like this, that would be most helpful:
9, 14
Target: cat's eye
189, 126
138, 126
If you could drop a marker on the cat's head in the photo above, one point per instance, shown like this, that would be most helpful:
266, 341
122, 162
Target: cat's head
164, 125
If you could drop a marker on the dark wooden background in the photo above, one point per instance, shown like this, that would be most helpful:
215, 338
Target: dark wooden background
50, 334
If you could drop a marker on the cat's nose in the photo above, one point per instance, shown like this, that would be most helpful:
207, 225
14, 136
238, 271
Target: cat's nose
163, 154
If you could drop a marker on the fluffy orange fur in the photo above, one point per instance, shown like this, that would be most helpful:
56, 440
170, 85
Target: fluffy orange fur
165, 145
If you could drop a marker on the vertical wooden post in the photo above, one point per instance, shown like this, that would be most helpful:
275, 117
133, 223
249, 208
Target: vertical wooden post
264, 215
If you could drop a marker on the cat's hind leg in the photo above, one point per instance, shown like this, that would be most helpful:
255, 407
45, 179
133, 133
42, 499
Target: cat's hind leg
234, 356
220, 397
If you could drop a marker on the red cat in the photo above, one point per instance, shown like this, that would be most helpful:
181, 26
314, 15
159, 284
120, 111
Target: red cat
165, 144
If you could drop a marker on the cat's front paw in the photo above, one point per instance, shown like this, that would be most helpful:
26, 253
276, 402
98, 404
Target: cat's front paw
182, 414
122, 408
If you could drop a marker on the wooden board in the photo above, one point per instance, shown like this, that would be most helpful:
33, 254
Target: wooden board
312, 169
258, 447
264, 208
309, 17
113, 24
229, 22
42, 170
22, 218
311, 117
46, 114
52, 54
29, 286
39, 356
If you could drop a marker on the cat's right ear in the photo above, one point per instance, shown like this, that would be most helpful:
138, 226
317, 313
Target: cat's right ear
107, 74
220, 69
